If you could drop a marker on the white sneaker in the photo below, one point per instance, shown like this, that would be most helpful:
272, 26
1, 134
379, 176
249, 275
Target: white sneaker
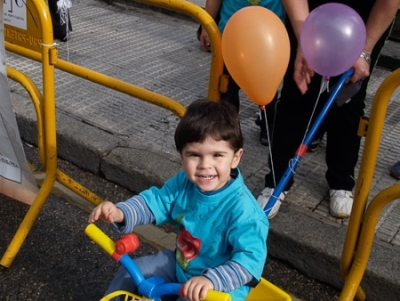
341, 202
264, 198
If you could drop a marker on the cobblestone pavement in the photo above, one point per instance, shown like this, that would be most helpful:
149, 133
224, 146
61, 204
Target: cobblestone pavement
161, 53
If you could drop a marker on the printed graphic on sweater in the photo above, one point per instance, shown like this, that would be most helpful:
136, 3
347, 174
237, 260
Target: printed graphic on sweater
188, 247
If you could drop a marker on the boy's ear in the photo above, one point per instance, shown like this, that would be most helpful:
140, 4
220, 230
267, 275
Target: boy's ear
236, 158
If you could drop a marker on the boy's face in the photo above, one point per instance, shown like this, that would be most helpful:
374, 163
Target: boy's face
208, 164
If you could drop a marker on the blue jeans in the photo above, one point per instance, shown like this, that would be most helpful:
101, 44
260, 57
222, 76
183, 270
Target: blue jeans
161, 264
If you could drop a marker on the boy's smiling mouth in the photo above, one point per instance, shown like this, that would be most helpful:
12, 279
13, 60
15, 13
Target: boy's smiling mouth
207, 177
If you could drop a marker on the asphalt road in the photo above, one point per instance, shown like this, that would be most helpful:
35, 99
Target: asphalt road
59, 262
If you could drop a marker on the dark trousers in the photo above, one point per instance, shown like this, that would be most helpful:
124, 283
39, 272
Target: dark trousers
60, 28
232, 93
292, 115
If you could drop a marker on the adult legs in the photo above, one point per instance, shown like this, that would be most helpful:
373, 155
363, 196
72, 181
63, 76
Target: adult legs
343, 143
292, 114
341, 125
267, 114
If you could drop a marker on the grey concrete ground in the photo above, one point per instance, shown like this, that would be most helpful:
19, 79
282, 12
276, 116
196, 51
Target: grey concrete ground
130, 142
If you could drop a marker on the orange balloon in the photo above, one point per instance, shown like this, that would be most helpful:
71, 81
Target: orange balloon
256, 49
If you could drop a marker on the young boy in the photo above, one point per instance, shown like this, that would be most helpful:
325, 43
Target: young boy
222, 230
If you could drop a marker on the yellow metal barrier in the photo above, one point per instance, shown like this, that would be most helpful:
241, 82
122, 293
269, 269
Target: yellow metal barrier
36, 42
37, 38
363, 219
210, 27
216, 69
37, 99
104, 80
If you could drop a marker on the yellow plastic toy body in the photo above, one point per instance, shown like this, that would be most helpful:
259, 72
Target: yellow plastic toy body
127, 296
211, 296
264, 291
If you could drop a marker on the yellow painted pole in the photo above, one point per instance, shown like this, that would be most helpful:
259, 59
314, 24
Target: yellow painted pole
208, 23
361, 257
37, 99
78, 188
119, 85
49, 116
107, 81
366, 171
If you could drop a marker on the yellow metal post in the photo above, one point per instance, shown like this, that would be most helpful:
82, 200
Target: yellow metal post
367, 232
37, 99
361, 229
106, 81
40, 32
208, 23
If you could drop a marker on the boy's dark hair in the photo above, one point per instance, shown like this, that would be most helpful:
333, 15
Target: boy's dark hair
205, 118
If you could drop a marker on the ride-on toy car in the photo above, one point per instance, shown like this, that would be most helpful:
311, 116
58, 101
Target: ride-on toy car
154, 288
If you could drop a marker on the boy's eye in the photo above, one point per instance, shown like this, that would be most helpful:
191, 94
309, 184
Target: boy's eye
218, 155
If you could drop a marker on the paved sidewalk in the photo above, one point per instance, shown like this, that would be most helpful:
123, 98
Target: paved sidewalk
130, 141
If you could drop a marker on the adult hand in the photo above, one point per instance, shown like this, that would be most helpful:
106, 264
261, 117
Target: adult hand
302, 72
196, 288
361, 70
205, 41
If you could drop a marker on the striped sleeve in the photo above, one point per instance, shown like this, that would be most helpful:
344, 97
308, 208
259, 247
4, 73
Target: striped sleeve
228, 277
136, 212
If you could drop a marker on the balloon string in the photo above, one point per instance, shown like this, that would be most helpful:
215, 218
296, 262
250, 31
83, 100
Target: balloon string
264, 114
324, 86
293, 162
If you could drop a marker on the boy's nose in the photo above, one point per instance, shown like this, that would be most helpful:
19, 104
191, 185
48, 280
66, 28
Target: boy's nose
205, 163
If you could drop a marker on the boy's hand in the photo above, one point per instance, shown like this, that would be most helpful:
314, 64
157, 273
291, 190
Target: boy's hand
108, 212
196, 288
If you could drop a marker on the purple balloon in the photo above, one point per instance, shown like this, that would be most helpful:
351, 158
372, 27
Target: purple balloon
332, 38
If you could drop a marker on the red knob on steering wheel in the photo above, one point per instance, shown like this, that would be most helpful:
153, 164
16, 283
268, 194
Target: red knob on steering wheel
127, 244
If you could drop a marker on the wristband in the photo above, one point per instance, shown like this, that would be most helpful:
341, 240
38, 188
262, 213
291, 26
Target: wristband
366, 57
